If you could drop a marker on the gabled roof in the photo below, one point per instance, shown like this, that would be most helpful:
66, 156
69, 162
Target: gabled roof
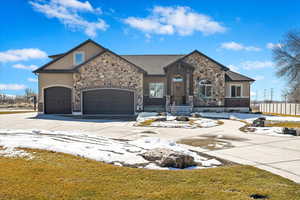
233, 76
64, 54
60, 56
153, 64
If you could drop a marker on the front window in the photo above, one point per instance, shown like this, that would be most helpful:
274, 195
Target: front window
205, 88
156, 90
78, 58
236, 90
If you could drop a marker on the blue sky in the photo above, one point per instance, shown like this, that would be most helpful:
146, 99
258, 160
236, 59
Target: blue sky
238, 34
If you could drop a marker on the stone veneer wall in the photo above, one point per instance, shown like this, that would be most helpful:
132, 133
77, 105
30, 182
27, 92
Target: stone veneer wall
207, 69
108, 71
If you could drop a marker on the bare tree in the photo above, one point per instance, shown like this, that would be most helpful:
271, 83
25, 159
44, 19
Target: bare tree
287, 58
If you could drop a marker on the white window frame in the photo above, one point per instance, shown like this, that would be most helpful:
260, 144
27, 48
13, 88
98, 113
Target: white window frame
240, 85
205, 85
74, 57
163, 90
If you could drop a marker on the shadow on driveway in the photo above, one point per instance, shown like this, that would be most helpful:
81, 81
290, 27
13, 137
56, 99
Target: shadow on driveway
87, 118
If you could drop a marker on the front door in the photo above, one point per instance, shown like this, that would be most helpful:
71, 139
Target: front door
178, 90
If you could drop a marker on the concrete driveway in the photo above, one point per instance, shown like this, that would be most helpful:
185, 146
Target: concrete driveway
277, 154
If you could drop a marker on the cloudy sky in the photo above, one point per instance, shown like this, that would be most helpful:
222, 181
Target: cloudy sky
238, 34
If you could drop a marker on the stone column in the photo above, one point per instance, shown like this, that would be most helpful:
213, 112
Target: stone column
191, 101
168, 103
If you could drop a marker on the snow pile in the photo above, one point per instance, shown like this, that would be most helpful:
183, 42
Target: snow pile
125, 153
169, 121
273, 131
248, 117
11, 152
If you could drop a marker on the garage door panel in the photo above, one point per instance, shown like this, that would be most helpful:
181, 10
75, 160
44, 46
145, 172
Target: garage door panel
108, 101
57, 100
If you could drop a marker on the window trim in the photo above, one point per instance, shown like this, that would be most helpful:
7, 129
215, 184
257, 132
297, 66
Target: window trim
236, 84
205, 85
74, 57
163, 92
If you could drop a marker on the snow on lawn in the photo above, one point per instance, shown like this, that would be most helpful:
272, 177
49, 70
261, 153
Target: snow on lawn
273, 131
126, 153
11, 152
248, 117
171, 122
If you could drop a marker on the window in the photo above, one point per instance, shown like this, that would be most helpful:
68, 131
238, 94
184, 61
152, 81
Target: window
156, 90
236, 90
78, 58
205, 88
177, 79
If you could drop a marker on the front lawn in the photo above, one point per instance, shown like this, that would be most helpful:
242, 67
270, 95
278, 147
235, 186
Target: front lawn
52, 175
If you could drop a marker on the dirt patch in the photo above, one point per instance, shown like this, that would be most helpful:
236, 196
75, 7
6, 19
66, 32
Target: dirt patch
207, 143
224, 137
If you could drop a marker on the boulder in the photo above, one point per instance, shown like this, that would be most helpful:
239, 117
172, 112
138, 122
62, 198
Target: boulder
169, 158
291, 131
259, 122
182, 118
196, 115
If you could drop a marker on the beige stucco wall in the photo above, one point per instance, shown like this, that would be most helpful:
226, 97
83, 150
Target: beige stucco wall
245, 88
46, 80
90, 49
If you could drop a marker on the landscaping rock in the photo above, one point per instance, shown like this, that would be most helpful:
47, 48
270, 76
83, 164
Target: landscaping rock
196, 115
259, 122
182, 118
291, 131
169, 158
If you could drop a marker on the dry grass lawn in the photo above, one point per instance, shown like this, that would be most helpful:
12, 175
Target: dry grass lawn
59, 176
285, 124
15, 112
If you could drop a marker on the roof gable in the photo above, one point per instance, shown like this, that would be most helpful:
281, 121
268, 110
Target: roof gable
58, 57
234, 76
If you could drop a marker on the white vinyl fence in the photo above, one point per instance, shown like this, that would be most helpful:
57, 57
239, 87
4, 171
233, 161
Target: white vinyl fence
280, 108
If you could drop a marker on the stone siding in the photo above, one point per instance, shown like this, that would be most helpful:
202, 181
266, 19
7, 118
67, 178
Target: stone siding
108, 71
207, 69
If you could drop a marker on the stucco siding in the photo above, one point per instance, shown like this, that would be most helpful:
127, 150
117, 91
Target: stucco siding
67, 62
245, 88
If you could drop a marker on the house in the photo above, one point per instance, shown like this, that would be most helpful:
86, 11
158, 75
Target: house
90, 79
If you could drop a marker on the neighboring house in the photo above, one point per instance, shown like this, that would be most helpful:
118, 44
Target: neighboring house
90, 79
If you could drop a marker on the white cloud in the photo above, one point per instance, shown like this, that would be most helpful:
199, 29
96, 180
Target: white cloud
271, 45
75, 4
233, 68
27, 67
171, 20
249, 65
14, 55
238, 47
32, 80
67, 12
252, 93
12, 87
259, 77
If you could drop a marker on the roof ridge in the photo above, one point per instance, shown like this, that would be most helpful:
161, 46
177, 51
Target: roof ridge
152, 54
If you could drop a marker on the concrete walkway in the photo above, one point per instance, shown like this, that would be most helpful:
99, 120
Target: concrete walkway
277, 154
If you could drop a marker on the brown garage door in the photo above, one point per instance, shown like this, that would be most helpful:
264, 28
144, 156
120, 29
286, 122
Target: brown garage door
108, 101
57, 100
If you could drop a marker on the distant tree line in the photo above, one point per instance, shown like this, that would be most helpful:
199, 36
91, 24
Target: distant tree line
27, 97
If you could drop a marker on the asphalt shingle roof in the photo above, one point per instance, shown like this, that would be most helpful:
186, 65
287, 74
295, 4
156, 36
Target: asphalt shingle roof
234, 76
153, 64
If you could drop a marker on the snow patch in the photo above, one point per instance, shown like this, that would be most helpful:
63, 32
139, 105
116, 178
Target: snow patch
121, 153
11, 152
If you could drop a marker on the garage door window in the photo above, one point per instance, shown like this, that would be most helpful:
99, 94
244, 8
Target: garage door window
156, 90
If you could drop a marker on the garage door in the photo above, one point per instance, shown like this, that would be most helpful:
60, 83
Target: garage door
57, 100
108, 101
